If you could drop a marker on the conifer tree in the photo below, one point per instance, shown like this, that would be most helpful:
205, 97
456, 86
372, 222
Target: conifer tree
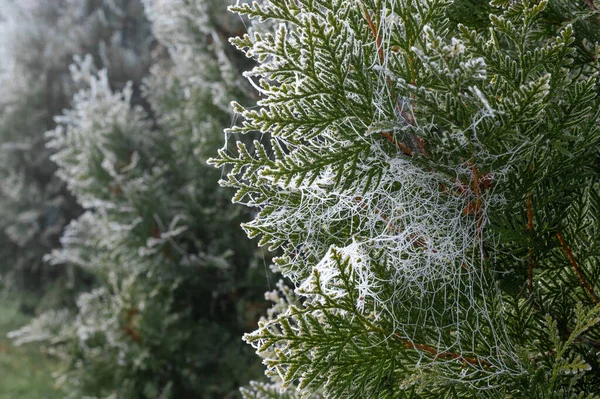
37, 44
177, 282
431, 177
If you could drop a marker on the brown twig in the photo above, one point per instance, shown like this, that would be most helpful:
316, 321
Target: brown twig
477, 191
388, 135
479, 184
442, 355
375, 35
530, 262
429, 349
401, 146
591, 5
529, 213
155, 233
129, 327
576, 267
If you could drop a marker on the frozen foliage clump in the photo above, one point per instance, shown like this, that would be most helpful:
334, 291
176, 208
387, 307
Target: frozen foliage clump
202, 68
210, 66
419, 178
177, 285
88, 165
38, 40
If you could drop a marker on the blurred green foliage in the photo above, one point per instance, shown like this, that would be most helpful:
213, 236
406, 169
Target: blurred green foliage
25, 371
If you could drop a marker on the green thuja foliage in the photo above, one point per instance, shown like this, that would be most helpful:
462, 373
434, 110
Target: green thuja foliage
37, 42
177, 283
431, 178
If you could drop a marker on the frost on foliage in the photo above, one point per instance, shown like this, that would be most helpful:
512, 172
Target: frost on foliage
156, 234
258, 390
393, 138
103, 147
96, 141
38, 40
201, 73
107, 333
414, 257
115, 30
50, 325
282, 297
192, 32
425, 236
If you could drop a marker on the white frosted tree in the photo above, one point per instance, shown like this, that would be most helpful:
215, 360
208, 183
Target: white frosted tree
37, 42
177, 284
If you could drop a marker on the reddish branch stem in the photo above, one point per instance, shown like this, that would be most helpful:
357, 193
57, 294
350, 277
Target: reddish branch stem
155, 232
129, 327
529, 213
441, 355
530, 262
375, 35
388, 135
576, 267
401, 146
478, 185
590, 4
479, 203
472, 360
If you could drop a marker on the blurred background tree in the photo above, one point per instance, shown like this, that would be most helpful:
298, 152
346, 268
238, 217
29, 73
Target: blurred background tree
37, 43
175, 281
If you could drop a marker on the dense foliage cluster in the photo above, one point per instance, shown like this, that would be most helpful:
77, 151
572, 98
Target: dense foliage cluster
431, 177
37, 43
176, 283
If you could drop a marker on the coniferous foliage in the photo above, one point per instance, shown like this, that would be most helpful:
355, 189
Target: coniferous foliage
178, 284
37, 44
431, 179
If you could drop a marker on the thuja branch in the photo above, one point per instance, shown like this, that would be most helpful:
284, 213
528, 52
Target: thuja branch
584, 283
